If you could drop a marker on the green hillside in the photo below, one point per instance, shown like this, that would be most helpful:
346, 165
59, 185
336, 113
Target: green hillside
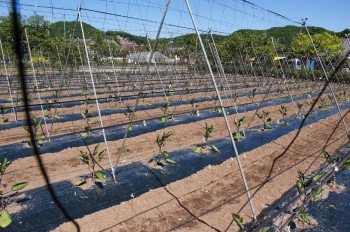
57, 29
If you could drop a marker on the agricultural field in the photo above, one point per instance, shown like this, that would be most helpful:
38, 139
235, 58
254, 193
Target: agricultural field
209, 144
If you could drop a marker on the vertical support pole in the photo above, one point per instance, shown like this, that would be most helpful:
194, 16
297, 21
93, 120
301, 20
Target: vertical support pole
326, 75
36, 83
224, 113
96, 99
8, 82
221, 67
156, 67
257, 60
115, 75
143, 79
285, 80
47, 77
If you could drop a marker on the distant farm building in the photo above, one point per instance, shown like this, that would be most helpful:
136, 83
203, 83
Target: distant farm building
145, 57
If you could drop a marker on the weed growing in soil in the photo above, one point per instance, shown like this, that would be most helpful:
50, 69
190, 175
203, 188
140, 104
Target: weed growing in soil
7, 196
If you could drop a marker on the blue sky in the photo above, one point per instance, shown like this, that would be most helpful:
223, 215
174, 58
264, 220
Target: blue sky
222, 16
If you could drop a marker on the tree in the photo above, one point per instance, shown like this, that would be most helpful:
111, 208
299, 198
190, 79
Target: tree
328, 46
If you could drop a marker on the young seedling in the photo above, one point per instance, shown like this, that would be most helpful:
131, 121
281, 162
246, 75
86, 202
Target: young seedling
87, 115
49, 106
263, 115
166, 111
169, 90
7, 196
142, 96
113, 100
238, 123
300, 109
194, 111
206, 135
92, 159
207, 131
283, 111
239, 221
216, 103
3, 111
162, 156
301, 182
37, 125
235, 97
251, 95
128, 114
304, 217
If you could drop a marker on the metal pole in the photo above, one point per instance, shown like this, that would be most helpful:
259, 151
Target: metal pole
326, 75
224, 112
8, 82
156, 67
96, 99
115, 76
285, 80
143, 80
36, 84
216, 53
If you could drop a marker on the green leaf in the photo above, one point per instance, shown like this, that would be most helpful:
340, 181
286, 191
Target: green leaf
198, 150
80, 182
95, 150
163, 119
239, 220
101, 154
84, 157
345, 165
100, 176
327, 156
19, 186
5, 219
129, 127
3, 165
26, 128
57, 116
85, 135
265, 229
41, 142
165, 153
300, 187
317, 177
214, 148
83, 115
170, 161
317, 195
38, 123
